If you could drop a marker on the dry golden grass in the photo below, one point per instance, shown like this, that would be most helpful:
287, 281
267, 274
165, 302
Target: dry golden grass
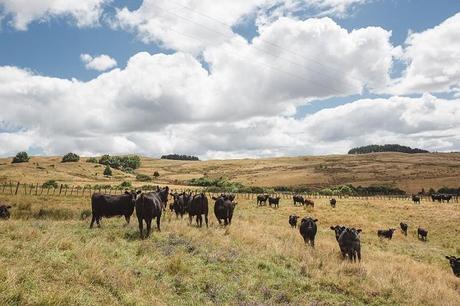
405, 171
54, 258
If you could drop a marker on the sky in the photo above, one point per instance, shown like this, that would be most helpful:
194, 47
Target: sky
228, 79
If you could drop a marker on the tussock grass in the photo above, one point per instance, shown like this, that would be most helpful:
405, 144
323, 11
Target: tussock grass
259, 259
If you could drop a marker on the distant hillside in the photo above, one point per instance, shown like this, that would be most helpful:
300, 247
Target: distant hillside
409, 172
385, 148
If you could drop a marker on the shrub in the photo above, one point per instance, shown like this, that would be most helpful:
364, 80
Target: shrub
126, 184
21, 157
50, 184
143, 178
92, 160
156, 174
70, 157
107, 171
123, 163
85, 214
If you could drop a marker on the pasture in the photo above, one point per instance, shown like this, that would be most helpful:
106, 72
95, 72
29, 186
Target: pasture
49, 255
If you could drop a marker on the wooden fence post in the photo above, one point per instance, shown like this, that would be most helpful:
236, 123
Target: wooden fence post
17, 187
60, 189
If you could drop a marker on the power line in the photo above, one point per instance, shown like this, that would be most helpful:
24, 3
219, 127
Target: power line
263, 40
262, 50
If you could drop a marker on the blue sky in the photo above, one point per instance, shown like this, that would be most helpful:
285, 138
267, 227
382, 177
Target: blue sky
51, 45
57, 44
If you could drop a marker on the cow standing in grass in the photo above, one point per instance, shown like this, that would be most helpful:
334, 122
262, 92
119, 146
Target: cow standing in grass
454, 264
416, 199
293, 220
104, 205
198, 206
149, 206
422, 234
386, 233
332, 202
274, 201
298, 199
404, 228
262, 198
350, 244
308, 230
223, 209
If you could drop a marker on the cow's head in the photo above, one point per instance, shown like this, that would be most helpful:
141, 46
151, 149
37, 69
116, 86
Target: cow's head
4, 213
293, 218
163, 193
134, 194
309, 222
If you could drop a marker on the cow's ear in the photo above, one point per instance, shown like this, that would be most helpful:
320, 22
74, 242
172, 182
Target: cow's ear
332, 228
448, 257
359, 230
127, 192
315, 220
139, 191
8, 207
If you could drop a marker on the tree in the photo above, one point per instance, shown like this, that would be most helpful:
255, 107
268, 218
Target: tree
70, 157
107, 171
21, 157
92, 160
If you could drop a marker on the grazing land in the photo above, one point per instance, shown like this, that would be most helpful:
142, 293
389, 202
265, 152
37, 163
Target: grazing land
50, 256
409, 172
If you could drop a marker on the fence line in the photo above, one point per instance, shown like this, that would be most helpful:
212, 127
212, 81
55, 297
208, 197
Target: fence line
79, 191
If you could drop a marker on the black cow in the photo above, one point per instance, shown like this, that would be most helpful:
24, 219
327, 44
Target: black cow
274, 201
149, 206
293, 220
415, 199
338, 230
404, 227
455, 264
180, 203
298, 199
436, 197
308, 230
350, 244
223, 209
4, 212
309, 203
422, 233
262, 198
386, 233
333, 202
104, 205
198, 206
446, 197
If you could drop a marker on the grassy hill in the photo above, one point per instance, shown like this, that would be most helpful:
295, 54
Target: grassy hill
405, 171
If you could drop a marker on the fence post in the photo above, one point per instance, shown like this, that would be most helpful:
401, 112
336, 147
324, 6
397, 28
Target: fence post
17, 187
36, 189
60, 189
65, 193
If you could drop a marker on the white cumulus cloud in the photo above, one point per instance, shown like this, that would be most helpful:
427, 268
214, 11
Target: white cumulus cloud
23, 12
100, 63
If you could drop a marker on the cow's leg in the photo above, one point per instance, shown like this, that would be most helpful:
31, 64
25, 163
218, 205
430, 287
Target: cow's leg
98, 221
359, 255
206, 220
312, 243
141, 230
199, 220
92, 221
190, 219
149, 226
127, 218
225, 221
220, 221
158, 223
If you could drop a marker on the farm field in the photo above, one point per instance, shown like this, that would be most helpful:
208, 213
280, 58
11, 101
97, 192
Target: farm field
50, 256
409, 172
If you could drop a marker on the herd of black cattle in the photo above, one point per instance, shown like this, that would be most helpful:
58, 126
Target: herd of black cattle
151, 205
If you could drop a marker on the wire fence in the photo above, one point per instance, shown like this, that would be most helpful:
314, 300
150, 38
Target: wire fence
63, 190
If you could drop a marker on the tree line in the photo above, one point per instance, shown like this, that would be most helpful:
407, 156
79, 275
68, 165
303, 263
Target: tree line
386, 148
180, 157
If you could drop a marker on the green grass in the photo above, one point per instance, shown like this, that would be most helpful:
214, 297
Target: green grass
54, 258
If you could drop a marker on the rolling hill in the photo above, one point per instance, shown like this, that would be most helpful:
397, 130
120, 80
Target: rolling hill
405, 171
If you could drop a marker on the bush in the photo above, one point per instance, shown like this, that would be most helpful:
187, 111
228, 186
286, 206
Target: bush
50, 184
386, 148
85, 214
143, 178
92, 160
123, 163
126, 184
70, 157
21, 157
107, 171
156, 174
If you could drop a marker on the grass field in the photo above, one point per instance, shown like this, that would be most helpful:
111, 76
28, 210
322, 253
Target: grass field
409, 172
50, 256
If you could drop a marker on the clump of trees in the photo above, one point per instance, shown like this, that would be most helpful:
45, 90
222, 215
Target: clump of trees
180, 157
386, 148
21, 157
92, 160
70, 157
124, 163
107, 171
